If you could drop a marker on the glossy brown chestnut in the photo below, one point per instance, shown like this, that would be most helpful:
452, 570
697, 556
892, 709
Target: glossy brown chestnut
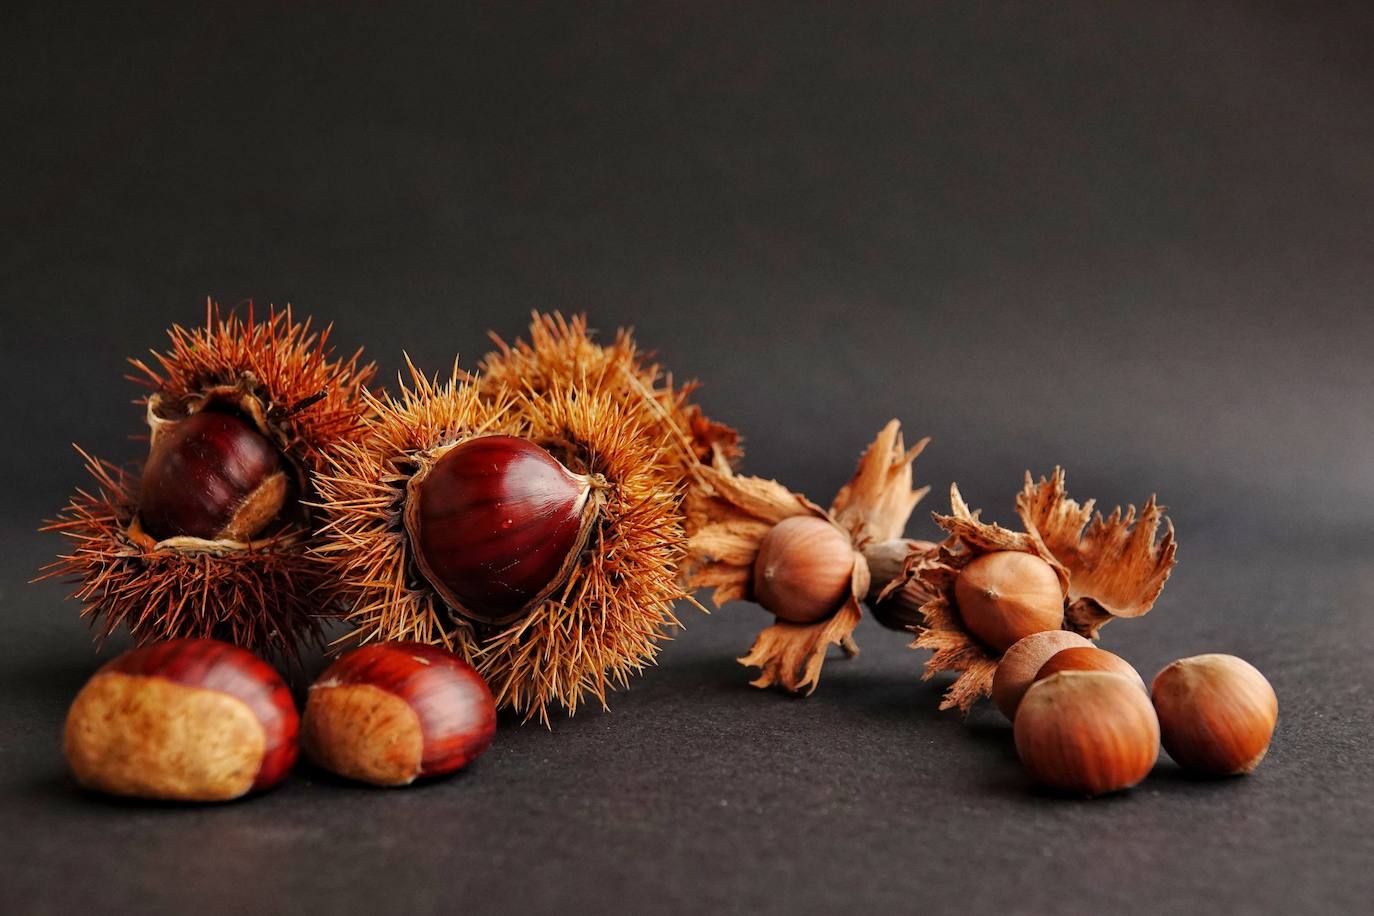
211, 476
497, 523
1087, 732
390, 713
1088, 658
1008, 595
1018, 666
804, 568
188, 720
1216, 713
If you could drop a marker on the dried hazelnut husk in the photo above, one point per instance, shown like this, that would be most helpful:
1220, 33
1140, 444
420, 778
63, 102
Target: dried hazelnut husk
208, 537
1112, 567
1087, 732
1216, 713
757, 541
560, 580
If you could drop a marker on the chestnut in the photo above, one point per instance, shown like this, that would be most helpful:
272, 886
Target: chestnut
1216, 713
497, 524
187, 720
1019, 665
212, 475
1087, 732
804, 569
391, 713
1088, 658
1007, 595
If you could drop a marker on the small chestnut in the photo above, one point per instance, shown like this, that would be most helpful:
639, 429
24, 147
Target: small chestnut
1216, 713
1087, 732
497, 524
1088, 658
1018, 666
391, 713
187, 720
212, 476
1007, 595
804, 568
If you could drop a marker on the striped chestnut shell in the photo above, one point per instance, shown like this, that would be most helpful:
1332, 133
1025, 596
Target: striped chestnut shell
183, 720
497, 524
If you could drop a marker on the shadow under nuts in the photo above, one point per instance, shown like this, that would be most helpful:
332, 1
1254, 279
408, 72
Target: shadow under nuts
1087, 732
1216, 714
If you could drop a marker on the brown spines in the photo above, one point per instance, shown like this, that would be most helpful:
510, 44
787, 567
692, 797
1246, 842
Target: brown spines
263, 593
603, 622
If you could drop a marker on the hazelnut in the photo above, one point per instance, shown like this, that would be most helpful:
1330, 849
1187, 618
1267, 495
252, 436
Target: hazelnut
1007, 595
1018, 666
1216, 713
391, 713
187, 720
804, 569
1088, 658
1087, 732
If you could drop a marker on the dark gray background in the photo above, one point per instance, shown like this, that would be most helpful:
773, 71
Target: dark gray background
1133, 241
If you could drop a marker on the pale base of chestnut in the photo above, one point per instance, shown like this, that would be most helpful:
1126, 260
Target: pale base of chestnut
148, 737
364, 733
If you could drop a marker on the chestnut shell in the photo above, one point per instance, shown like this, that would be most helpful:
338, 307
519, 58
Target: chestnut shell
211, 476
497, 523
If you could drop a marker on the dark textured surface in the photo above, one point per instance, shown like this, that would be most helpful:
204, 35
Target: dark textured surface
1136, 242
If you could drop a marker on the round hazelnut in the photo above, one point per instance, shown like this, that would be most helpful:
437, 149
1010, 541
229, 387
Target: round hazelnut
1088, 658
186, 720
1087, 732
1216, 713
391, 713
1008, 595
1018, 666
803, 572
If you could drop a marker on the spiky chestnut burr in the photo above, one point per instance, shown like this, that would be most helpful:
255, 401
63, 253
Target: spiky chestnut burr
391, 713
549, 618
185, 720
208, 537
1113, 567
559, 349
813, 569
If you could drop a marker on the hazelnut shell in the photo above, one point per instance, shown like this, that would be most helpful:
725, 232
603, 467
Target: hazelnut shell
1216, 713
1087, 732
1019, 665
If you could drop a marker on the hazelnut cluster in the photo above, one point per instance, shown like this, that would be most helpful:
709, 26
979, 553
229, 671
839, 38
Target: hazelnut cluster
202, 720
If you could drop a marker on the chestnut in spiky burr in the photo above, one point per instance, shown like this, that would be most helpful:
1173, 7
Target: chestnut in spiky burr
986, 587
183, 720
812, 568
562, 580
207, 537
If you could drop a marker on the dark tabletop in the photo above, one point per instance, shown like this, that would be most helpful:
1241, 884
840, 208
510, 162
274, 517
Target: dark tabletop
1135, 242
